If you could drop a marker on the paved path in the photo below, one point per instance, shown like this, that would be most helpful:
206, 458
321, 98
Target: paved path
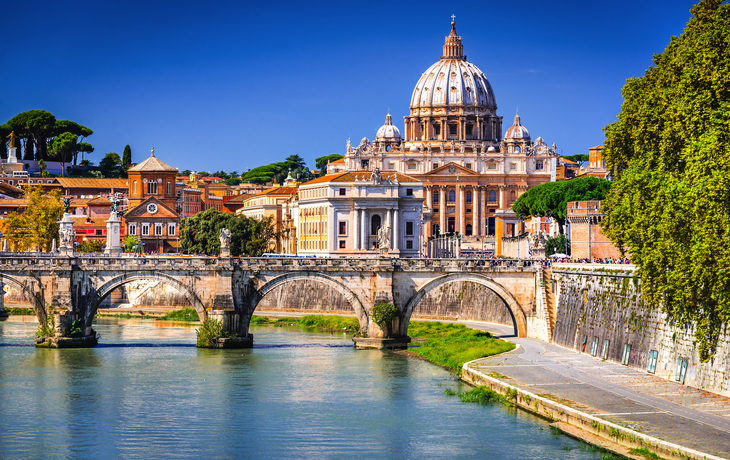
643, 402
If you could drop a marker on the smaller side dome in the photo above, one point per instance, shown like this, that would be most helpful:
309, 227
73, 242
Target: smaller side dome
517, 131
491, 149
388, 131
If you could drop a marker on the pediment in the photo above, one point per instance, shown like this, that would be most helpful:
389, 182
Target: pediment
451, 169
142, 212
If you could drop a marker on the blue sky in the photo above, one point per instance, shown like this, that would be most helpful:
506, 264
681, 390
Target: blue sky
233, 85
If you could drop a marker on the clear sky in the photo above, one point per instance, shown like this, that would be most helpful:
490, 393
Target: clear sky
234, 85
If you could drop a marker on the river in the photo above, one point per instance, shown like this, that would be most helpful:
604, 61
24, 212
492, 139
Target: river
147, 392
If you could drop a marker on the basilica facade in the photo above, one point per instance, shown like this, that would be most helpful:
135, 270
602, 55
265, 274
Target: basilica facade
453, 144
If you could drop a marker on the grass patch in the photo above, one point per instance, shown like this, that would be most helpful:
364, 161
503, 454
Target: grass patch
20, 311
644, 452
451, 345
186, 314
481, 395
319, 322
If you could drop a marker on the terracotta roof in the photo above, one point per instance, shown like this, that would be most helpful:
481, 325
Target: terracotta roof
9, 189
350, 176
90, 221
99, 201
341, 160
277, 191
152, 164
13, 202
85, 182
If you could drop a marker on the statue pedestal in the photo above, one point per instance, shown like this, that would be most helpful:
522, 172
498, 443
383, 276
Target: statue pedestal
66, 226
13, 155
113, 238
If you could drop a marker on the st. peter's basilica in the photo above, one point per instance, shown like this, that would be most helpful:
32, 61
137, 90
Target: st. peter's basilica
453, 143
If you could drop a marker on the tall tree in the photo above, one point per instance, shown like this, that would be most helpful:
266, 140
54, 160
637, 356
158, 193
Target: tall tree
38, 225
111, 162
5, 131
62, 149
126, 158
249, 237
35, 125
81, 132
669, 151
321, 162
553, 197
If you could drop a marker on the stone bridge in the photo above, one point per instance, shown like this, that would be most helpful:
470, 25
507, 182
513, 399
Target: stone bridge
70, 288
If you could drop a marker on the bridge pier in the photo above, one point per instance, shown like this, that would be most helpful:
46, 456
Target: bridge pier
236, 325
70, 332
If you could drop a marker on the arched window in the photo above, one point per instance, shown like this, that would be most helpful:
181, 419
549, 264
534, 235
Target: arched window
134, 188
492, 196
374, 224
435, 197
517, 150
452, 196
468, 197
152, 187
169, 188
435, 230
512, 195
467, 231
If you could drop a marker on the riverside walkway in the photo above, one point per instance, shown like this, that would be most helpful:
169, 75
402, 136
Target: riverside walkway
637, 400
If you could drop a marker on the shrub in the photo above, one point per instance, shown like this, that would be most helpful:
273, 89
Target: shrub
209, 333
384, 314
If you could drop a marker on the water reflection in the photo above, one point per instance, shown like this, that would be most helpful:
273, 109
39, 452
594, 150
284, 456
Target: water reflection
146, 392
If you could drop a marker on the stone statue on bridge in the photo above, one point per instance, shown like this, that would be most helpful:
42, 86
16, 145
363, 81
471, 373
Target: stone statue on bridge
384, 238
66, 237
225, 237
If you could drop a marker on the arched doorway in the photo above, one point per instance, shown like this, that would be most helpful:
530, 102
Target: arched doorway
375, 223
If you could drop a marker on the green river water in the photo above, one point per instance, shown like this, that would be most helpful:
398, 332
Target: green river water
147, 392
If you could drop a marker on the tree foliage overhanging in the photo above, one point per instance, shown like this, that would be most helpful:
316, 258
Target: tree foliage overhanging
249, 237
669, 151
553, 197
37, 227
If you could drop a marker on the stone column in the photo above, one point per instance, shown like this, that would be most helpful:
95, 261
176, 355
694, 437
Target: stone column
429, 204
113, 243
502, 198
461, 198
333, 236
356, 228
363, 230
475, 210
482, 213
389, 223
442, 209
396, 232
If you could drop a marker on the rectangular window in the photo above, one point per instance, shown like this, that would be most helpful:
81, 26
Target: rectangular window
513, 166
132, 229
409, 228
409, 192
98, 232
342, 192
437, 129
626, 355
681, 370
538, 165
158, 229
452, 129
170, 229
391, 166
651, 365
492, 166
342, 244
409, 244
469, 129
412, 166
145, 229
434, 165
342, 228
594, 347
468, 166
169, 188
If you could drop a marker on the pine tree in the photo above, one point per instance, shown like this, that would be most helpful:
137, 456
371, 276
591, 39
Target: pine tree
126, 159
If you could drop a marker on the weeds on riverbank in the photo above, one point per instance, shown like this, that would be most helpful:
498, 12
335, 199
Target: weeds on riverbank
188, 314
479, 395
644, 452
451, 345
123, 316
17, 311
319, 322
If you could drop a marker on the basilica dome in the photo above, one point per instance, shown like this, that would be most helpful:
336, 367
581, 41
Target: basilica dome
388, 131
517, 131
453, 81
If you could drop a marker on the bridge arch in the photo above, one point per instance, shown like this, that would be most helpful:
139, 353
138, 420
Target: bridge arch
92, 305
36, 300
519, 319
352, 299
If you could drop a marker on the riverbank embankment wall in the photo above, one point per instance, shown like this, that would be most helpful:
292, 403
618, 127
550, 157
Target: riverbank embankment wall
599, 310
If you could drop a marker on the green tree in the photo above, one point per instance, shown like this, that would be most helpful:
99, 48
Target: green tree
81, 132
129, 242
38, 225
35, 126
62, 148
111, 162
249, 237
91, 246
5, 131
669, 151
552, 198
558, 244
126, 158
577, 157
321, 162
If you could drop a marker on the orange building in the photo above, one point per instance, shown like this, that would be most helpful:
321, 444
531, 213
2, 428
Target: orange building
587, 240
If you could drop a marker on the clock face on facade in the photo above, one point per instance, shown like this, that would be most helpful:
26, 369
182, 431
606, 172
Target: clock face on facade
152, 208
